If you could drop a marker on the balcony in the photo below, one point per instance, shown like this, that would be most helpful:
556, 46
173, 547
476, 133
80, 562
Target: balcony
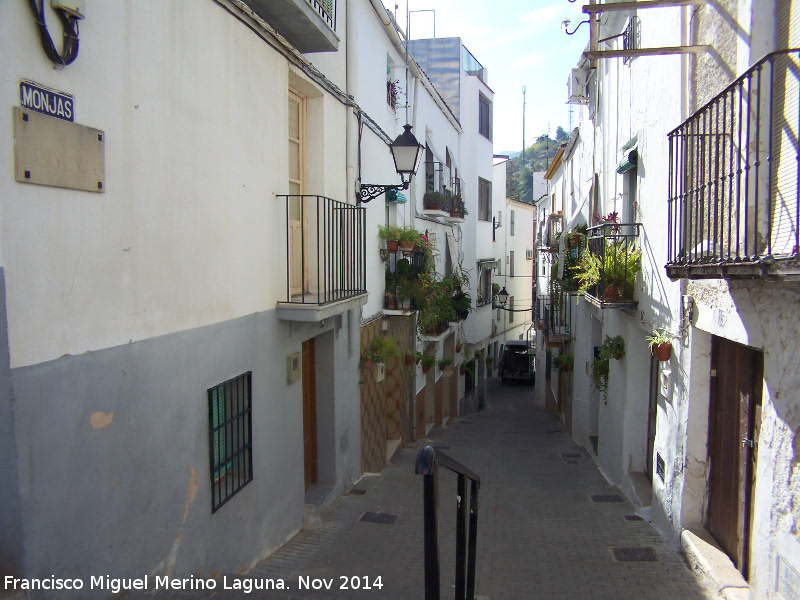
607, 269
326, 258
734, 197
309, 25
554, 315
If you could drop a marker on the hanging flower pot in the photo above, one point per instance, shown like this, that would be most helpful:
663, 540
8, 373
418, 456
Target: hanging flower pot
663, 351
410, 359
392, 245
425, 369
367, 363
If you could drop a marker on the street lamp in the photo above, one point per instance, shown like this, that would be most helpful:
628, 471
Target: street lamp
407, 154
502, 297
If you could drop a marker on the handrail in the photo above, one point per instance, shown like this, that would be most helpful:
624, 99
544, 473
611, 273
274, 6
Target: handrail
427, 463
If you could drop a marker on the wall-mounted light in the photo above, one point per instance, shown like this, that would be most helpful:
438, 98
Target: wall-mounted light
407, 153
502, 297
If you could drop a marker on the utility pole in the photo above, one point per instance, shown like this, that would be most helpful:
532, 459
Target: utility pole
523, 125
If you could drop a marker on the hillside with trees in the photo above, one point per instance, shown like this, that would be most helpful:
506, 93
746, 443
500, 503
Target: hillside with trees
536, 157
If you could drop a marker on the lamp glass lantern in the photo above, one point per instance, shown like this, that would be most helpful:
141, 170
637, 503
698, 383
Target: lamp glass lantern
502, 297
407, 153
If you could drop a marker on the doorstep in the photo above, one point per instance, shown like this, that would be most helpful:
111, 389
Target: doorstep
706, 558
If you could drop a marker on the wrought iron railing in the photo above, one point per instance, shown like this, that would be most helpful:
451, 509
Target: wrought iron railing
326, 9
428, 462
326, 250
614, 258
734, 197
554, 312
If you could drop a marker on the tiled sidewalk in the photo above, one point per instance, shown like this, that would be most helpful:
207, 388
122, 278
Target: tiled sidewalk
541, 534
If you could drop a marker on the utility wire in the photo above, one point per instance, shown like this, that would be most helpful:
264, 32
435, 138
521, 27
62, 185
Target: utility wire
70, 23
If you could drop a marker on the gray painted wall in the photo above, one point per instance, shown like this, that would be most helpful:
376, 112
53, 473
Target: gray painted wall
114, 454
10, 508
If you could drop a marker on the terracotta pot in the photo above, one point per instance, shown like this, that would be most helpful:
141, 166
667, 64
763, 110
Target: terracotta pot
391, 303
407, 246
392, 245
663, 351
425, 369
611, 293
410, 358
367, 364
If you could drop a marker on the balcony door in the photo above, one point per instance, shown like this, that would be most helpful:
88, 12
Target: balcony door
298, 276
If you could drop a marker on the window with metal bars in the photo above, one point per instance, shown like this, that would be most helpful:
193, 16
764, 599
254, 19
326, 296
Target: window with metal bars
230, 436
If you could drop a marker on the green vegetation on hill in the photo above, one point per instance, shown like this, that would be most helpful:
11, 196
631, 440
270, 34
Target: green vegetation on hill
519, 173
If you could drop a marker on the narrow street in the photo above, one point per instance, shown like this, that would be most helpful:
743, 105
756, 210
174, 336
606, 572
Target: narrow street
541, 533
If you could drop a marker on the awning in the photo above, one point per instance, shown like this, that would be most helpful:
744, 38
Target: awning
395, 196
630, 155
487, 264
628, 162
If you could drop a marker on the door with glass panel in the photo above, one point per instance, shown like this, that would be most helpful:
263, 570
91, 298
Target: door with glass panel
297, 262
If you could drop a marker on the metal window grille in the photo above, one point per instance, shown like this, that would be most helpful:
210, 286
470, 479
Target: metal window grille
230, 436
630, 37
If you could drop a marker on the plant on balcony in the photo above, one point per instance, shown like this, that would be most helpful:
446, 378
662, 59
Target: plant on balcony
621, 263
564, 362
391, 235
428, 360
434, 201
462, 305
393, 91
444, 363
660, 344
574, 248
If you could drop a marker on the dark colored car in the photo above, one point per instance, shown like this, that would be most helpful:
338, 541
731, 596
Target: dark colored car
517, 362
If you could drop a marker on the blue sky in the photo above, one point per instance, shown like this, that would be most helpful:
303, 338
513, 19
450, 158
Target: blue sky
520, 43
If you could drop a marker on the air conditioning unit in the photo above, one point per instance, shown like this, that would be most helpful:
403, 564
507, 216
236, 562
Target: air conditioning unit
576, 87
529, 254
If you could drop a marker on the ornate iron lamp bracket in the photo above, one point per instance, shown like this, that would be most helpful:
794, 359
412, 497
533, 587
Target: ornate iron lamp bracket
369, 191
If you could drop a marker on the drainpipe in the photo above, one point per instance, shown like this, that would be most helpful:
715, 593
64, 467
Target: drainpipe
351, 153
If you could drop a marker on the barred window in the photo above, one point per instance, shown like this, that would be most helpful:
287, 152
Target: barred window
230, 436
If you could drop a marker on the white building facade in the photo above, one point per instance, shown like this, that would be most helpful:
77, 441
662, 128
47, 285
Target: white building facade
703, 439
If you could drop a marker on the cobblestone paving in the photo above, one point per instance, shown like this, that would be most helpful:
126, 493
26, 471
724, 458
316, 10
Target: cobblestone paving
540, 535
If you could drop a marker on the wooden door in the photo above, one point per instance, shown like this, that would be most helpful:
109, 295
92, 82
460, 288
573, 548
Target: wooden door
652, 411
736, 373
309, 413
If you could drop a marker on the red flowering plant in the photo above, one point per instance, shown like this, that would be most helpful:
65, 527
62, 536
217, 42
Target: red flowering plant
612, 217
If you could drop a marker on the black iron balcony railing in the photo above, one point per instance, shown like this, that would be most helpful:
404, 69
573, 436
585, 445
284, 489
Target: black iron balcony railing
610, 264
554, 314
326, 250
327, 10
428, 462
734, 197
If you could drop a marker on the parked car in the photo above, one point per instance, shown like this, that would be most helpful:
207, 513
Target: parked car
517, 362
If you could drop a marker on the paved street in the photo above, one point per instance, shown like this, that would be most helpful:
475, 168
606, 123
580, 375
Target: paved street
541, 535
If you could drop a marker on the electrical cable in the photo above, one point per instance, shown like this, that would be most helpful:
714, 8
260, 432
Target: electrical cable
69, 22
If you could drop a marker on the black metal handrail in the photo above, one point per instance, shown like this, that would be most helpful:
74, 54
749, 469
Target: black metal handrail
325, 250
428, 461
734, 197
615, 249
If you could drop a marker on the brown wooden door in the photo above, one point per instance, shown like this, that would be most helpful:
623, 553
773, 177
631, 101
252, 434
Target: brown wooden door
736, 373
309, 413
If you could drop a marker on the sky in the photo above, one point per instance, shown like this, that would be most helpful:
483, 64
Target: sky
520, 43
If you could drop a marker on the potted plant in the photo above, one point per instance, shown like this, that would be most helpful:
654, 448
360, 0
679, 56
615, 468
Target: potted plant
459, 346
621, 263
444, 363
393, 90
489, 363
408, 238
391, 235
565, 362
613, 347
380, 350
462, 305
495, 289
434, 201
660, 345
428, 360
